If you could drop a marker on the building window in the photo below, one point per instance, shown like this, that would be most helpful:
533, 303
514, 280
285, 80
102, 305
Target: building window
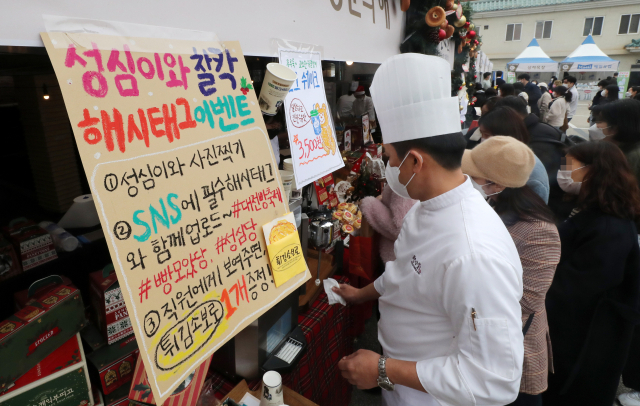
543, 29
486, 27
593, 26
629, 24
513, 32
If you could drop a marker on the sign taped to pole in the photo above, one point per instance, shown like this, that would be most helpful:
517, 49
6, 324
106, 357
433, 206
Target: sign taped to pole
182, 172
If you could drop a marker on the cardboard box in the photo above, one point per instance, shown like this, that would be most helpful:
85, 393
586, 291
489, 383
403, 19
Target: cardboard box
60, 379
33, 244
38, 329
39, 290
185, 395
113, 365
10, 265
119, 397
107, 300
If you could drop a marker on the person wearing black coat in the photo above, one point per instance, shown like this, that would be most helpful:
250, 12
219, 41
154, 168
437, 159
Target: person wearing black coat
593, 303
549, 144
533, 91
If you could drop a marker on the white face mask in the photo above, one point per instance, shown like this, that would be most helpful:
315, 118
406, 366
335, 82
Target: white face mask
595, 133
566, 183
628, 94
392, 173
480, 188
604, 93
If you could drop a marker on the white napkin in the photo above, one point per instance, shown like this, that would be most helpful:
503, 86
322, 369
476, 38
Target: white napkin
332, 296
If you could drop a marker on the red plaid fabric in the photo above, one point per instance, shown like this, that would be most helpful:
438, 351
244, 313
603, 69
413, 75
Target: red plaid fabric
316, 376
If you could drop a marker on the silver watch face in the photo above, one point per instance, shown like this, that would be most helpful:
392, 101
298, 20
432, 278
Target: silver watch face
385, 384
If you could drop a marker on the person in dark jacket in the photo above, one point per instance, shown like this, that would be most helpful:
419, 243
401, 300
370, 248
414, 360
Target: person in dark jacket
533, 91
597, 99
548, 144
593, 302
506, 89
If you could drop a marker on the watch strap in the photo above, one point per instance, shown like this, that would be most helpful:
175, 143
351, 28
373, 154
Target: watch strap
382, 366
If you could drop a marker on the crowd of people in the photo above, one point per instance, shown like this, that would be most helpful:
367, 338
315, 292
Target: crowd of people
570, 209
584, 273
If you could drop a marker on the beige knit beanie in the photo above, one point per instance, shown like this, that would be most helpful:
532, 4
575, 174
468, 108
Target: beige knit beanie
503, 160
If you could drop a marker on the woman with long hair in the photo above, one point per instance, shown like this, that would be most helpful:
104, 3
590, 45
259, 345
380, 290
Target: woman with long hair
499, 169
559, 106
619, 122
503, 120
592, 304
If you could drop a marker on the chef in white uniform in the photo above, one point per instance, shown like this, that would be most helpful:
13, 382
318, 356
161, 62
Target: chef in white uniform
450, 319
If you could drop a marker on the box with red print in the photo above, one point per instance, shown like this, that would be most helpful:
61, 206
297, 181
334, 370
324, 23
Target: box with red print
107, 300
39, 328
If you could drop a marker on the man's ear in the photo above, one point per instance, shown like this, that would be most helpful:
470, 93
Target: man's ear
418, 160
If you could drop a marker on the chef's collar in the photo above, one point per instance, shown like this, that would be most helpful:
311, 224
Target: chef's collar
451, 197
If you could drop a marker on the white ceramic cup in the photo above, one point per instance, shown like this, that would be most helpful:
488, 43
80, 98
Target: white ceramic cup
275, 87
271, 393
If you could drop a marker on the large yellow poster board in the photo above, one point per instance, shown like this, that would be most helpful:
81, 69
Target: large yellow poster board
182, 172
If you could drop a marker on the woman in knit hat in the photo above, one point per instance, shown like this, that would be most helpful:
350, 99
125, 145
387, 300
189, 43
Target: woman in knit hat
500, 168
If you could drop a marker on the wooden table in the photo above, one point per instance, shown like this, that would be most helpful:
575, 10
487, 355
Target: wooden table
291, 398
327, 268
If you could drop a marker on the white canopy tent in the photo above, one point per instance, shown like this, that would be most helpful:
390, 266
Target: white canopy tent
589, 58
533, 59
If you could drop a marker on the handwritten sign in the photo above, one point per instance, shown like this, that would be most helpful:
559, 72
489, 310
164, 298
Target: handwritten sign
314, 149
182, 172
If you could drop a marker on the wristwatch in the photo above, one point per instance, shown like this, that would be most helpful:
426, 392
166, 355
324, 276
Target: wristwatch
383, 379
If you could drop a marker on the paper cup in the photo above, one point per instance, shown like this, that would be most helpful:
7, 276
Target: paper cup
271, 393
287, 179
277, 82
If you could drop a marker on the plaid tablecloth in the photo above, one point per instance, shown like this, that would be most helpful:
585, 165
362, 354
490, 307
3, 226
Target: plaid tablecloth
316, 376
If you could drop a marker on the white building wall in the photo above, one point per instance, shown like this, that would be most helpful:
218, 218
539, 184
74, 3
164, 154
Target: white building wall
566, 36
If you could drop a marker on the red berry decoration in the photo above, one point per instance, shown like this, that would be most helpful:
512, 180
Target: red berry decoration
467, 24
442, 34
471, 34
475, 76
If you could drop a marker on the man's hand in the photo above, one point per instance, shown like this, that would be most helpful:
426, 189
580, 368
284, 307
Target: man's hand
361, 369
349, 293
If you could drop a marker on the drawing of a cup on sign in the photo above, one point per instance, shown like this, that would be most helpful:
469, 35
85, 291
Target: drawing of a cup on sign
328, 142
315, 120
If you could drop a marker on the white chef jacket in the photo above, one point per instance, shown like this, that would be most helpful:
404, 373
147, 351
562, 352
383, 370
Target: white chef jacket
345, 105
362, 106
453, 255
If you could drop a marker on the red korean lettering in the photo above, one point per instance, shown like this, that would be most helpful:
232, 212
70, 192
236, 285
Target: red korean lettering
114, 61
130, 63
109, 126
87, 82
141, 133
150, 71
91, 135
73, 57
170, 122
189, 122
95, 53
132, 91
154, 122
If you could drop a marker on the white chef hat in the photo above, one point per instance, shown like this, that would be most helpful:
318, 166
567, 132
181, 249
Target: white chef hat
412, 97
354, 85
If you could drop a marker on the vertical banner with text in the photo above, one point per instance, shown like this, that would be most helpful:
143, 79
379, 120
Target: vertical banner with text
312, 136
182, 172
